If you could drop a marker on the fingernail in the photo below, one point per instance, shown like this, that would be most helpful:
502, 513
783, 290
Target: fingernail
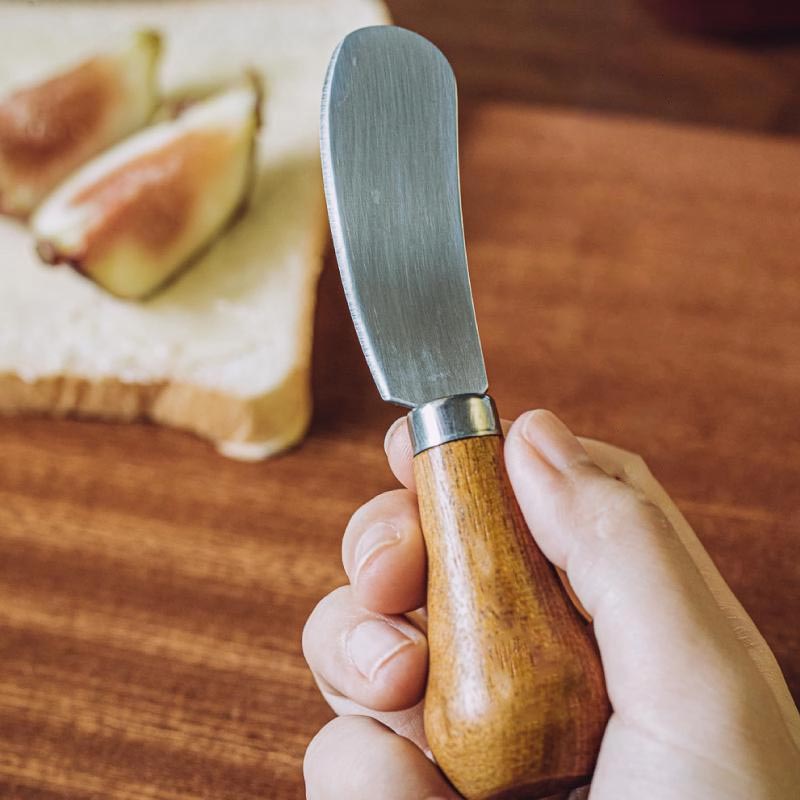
391, 432
552, 439
372, 644
376, 538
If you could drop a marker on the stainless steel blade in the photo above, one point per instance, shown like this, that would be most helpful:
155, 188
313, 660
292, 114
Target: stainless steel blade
389, 136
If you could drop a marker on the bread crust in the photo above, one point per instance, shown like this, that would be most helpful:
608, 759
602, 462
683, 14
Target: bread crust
247, 428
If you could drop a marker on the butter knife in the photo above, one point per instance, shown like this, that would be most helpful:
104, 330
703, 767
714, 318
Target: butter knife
515, 704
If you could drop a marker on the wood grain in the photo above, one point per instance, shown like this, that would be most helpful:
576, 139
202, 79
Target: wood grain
638, 278
516, 705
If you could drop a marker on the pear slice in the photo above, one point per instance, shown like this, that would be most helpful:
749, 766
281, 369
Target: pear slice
52, 127
138, 213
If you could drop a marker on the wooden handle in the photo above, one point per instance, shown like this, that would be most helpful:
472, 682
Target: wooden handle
516, 703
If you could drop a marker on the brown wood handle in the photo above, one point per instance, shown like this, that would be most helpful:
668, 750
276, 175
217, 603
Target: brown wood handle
516, 704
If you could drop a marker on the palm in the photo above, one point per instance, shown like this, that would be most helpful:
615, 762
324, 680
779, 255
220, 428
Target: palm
700, 707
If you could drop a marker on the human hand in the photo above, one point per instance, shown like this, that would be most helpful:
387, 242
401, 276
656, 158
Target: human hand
700, 708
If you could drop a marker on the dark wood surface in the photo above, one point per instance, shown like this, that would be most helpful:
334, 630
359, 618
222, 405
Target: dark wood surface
615, 55
641, 279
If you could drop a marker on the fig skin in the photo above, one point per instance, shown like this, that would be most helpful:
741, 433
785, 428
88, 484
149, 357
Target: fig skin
166, 196
50, 128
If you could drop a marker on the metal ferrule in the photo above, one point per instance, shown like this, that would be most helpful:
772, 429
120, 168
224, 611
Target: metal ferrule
461, 416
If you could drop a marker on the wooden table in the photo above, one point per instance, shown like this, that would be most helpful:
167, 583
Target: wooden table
642, 279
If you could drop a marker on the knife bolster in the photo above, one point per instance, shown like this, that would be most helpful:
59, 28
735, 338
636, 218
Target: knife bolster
448, 419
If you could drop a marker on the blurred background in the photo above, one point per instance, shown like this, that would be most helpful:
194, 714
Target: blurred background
732, 63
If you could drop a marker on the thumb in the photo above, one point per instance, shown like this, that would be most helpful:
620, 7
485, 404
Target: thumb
660, 632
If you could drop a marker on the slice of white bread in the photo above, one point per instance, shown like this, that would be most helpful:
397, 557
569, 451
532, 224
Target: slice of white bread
224, 351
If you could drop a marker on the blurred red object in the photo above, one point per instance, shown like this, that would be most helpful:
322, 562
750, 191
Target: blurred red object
730, 16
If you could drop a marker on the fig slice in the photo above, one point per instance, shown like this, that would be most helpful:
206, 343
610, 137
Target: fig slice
50, 128
138, 213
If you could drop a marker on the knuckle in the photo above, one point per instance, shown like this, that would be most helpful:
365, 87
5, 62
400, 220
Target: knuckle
318, 614
334, 757
635, 506
635, 467
316, 753
617, 507
386, 504
313, 749
333, 735
616, 461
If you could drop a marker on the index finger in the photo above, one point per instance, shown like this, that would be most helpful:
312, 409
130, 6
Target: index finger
397, 446
400, 453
